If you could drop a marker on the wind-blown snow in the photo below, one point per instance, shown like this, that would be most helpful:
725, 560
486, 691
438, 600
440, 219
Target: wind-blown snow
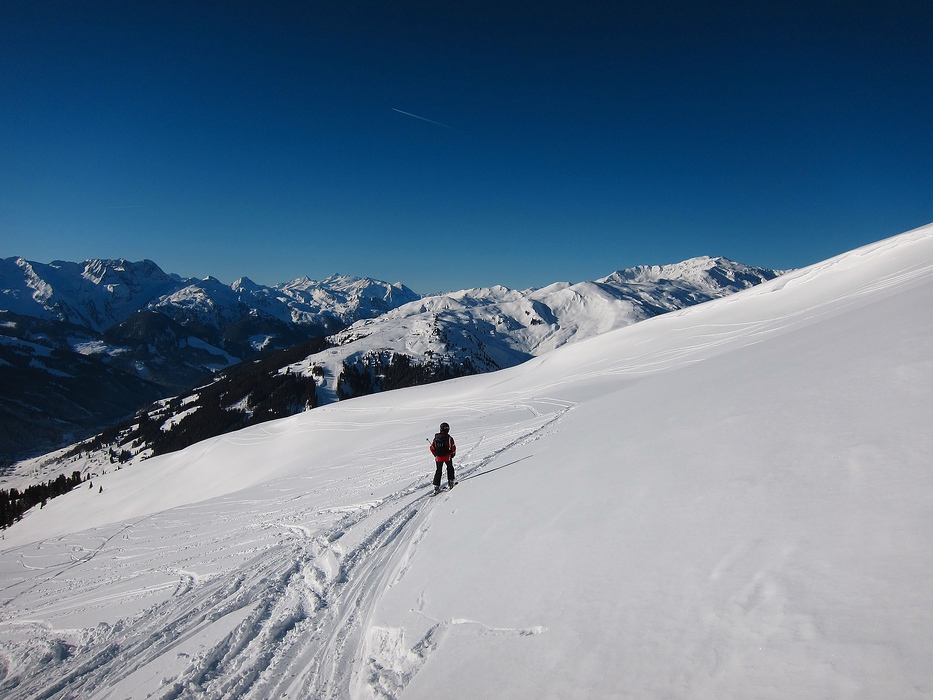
733, 500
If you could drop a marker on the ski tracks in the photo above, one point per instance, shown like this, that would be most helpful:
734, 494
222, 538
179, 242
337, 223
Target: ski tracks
292, 619
313, 626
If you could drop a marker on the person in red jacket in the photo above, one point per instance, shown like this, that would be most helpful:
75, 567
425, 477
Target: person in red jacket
444, 448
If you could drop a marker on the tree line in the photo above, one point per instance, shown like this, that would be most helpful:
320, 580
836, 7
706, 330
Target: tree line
14, 503
246, 394
385, 370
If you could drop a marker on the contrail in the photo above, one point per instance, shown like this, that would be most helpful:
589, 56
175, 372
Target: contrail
424, 119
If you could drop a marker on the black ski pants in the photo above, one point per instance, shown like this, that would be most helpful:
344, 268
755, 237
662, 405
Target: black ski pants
440, 468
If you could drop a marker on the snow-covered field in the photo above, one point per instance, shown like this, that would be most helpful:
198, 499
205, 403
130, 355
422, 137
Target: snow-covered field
733, 500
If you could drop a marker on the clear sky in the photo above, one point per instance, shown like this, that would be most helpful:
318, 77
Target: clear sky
449, 145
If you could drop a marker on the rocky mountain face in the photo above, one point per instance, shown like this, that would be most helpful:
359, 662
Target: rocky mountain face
85, 344
51, 394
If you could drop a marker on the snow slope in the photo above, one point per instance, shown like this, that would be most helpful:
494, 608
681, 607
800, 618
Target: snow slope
733, 500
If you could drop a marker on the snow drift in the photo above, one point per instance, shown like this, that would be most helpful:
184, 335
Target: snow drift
732, 500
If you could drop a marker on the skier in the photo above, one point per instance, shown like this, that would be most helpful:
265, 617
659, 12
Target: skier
444, 448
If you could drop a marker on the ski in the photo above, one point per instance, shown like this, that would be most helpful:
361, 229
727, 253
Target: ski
443, 488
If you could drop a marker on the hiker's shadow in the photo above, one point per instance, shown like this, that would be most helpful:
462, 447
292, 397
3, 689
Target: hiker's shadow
490, 471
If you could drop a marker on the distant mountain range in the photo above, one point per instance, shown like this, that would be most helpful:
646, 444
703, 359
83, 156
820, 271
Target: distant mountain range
85, 344
100, 294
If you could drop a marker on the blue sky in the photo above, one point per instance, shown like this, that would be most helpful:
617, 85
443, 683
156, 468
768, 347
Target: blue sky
551, 141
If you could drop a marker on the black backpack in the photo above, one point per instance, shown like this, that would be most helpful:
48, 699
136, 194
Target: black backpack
441, 445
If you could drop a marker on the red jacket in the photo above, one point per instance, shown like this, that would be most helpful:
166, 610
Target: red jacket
453, 450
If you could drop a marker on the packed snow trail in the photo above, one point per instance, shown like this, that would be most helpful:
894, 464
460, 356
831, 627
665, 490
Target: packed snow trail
286, 618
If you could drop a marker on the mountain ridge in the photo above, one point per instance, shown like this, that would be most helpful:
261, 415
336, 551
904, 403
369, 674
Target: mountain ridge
489, 328
156, 334
100, 293
425, 340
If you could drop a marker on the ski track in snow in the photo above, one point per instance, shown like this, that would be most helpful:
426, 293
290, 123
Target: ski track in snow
276, 603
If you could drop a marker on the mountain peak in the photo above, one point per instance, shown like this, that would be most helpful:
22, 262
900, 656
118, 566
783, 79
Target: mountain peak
705, 271
245, 284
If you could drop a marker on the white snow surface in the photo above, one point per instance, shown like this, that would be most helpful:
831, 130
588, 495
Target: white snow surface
732, 500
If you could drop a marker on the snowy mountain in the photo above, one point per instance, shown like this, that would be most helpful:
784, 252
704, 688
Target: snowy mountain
731, 500
435, 338
319, 307
99, 294
485, 329
139, 334
95, 294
